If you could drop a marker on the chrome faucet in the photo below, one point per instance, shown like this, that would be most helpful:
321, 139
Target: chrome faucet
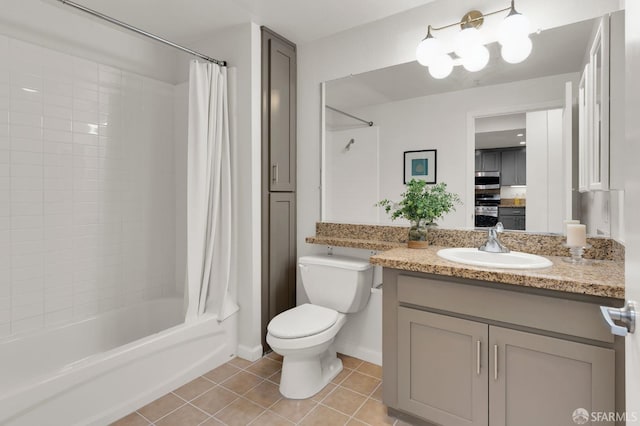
493, 243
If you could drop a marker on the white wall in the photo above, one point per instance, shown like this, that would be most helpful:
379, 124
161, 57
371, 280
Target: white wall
240, 47
53, 25
352, 175
86, 155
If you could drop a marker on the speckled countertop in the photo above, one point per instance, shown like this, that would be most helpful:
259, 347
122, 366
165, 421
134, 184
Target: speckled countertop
603, 276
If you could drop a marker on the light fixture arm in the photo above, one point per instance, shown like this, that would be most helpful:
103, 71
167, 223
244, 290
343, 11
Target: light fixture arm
471, 19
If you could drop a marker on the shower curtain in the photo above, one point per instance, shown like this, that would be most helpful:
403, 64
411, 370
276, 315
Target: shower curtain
209, 212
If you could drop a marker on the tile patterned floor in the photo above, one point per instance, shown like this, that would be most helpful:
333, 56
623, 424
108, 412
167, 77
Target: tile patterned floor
245, 393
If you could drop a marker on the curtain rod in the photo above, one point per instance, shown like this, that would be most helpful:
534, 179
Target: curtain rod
142, 32
369, 123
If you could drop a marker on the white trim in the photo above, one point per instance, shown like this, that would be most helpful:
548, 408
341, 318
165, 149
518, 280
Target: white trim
356, 351
250, 354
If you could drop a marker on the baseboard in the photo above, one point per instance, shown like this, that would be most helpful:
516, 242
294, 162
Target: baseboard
364, 354
250, 353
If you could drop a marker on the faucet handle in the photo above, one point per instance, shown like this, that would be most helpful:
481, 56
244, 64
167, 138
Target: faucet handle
499, 227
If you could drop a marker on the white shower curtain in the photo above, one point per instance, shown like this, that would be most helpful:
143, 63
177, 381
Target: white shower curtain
209, 212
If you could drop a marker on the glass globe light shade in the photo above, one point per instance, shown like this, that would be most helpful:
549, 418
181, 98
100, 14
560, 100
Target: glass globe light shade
441, 67
466, 41
517, 50
476, 59
516, 25
428, 49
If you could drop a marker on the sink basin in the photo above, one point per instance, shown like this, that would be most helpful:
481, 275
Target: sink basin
512, 260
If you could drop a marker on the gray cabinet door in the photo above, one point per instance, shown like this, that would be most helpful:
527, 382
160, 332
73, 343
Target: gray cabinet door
282, 253
513, 167
491, 161
442, 368
281, 116
521, 167
541, 380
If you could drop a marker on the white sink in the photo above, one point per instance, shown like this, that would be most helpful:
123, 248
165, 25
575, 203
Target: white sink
511, 260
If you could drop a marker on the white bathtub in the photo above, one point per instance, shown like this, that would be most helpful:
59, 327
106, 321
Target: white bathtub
98, 370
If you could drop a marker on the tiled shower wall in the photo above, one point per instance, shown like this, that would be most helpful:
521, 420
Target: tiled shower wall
87, 200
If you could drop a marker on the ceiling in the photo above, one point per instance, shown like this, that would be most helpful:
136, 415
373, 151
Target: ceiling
555, 51
501, 139
298, 20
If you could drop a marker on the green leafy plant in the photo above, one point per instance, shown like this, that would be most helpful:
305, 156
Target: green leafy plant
421, 203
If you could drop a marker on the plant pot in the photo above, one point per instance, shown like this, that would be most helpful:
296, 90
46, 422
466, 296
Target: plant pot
418, 233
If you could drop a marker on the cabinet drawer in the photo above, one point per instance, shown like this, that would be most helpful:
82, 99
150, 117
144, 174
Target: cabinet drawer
511, 211
483, 300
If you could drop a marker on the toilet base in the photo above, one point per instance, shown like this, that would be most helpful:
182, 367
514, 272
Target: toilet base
305, 376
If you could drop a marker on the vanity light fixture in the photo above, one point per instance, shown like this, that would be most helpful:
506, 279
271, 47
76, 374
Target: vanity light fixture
469, 46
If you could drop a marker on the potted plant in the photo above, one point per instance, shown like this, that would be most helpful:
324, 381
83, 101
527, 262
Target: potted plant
421, 205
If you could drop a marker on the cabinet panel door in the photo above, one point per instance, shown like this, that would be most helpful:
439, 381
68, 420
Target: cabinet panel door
282, 253
537, 371
508, 168
282, 107
442, 368
491, 161
521, 167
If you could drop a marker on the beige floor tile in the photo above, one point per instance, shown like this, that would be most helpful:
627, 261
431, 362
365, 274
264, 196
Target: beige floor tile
242, 382
324, 392
265, 367
240, 413
161, 407
294, 409
354, 422
214, 400
275, 378
374, 413
402, 423
349, 361
212, 422
274, 356
222, 373
187, 415
324, 416
194, 388
361, 383
370, 369
265, 394
341, 376
269, 418
133, 419
344, 400
377, 394
240, 363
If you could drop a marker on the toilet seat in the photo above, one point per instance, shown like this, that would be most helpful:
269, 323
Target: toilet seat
302, 321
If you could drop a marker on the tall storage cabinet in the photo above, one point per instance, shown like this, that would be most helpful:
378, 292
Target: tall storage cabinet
278, 176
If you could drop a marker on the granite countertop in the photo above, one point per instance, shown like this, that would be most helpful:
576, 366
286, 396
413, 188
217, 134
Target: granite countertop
355, 243
603, 278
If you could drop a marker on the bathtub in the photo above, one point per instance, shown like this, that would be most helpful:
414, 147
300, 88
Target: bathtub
96, 371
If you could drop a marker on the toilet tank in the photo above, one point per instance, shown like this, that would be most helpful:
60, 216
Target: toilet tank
337, 282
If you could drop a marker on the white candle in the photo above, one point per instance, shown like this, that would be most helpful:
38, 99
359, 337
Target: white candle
576, 235
566, 222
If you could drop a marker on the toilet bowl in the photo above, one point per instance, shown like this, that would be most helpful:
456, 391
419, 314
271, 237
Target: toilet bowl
304, 335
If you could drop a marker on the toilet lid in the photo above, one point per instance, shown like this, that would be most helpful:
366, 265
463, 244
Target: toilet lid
301, 321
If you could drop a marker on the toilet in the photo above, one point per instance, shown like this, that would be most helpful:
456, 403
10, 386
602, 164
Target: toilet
336, 286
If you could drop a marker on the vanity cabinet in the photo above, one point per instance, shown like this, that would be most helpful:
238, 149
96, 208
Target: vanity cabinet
513, 167
464, 352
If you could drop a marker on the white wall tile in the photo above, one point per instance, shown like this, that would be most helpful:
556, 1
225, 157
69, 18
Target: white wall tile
86, 157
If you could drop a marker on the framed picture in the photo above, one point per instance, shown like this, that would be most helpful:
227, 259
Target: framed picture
420, 165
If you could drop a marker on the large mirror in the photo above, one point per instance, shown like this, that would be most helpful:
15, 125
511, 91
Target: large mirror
518, 120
